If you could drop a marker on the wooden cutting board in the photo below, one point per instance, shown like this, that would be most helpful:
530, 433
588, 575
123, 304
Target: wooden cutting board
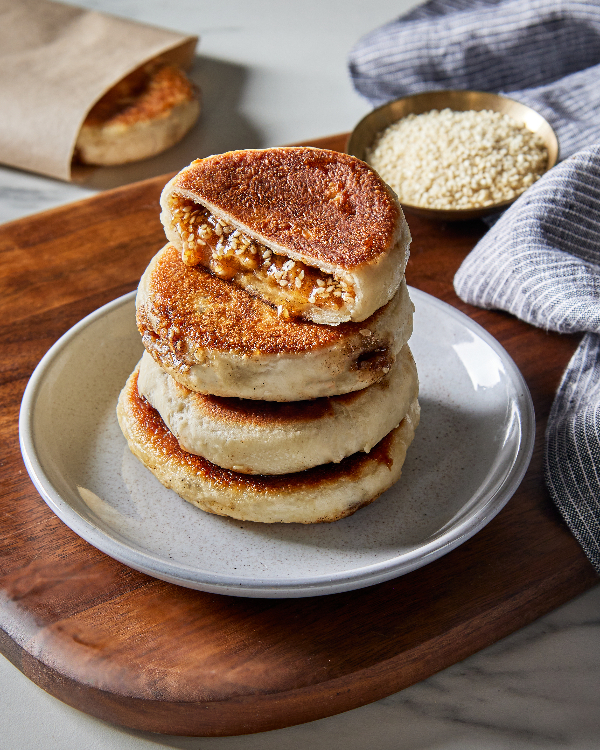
149, 655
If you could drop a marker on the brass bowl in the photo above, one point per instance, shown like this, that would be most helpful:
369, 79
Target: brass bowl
364, 134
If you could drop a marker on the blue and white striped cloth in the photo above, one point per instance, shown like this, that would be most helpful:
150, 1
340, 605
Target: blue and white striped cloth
541, 262
541, 259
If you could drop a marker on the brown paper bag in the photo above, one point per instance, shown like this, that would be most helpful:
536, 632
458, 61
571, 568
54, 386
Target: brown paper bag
56, 61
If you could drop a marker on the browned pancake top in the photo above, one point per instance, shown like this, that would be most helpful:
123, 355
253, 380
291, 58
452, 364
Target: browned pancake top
205, 312
323, 204
151, 431
143, 95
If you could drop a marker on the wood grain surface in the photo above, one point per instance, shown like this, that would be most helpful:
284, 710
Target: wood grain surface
150, 655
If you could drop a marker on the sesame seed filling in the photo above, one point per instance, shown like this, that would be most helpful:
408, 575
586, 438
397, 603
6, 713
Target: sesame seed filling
232, 255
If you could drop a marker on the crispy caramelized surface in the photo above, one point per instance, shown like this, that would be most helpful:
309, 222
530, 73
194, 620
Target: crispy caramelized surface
145, 94
327, 206
203, 312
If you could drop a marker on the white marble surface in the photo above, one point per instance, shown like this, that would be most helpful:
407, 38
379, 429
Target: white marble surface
274, 72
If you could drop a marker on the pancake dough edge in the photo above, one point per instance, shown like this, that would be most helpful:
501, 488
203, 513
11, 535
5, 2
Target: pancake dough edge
213, 337
257, 437
320, 495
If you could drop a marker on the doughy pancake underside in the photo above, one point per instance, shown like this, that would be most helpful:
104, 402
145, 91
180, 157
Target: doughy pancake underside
322, 494
258, 437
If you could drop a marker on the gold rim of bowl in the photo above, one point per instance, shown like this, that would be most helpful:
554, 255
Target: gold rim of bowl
363, 135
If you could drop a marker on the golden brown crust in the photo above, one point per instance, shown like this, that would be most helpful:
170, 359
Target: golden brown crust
146, 94
203, 312
323, 205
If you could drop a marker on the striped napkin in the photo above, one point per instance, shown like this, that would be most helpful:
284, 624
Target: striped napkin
541, 260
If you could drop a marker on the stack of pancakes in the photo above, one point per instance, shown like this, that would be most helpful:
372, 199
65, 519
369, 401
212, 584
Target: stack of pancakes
277, 384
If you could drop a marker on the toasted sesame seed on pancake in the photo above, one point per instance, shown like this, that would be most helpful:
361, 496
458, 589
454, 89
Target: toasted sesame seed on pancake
213, 337
270, 437
315, 231
322, 494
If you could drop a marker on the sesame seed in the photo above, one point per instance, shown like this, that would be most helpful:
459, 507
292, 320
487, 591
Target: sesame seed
448, 159
199, 228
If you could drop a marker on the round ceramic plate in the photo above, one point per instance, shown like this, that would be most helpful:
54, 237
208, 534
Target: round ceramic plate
469, 455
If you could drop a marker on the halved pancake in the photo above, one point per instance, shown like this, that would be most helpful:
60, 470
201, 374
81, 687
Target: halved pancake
315, 232
324, 493
144, 114
270, 437
214, 337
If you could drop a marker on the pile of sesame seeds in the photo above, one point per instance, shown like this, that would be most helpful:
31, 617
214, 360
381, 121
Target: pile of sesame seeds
446, 159
227, 251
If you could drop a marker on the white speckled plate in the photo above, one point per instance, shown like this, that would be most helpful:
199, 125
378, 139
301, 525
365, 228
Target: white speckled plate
469, 455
